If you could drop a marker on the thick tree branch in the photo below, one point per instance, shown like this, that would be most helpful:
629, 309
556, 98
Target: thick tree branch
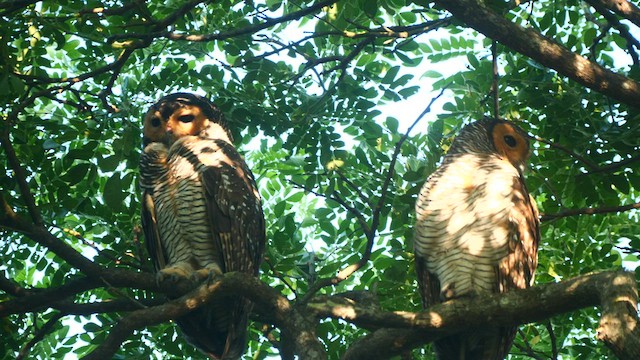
29, 300
612, 20
544, 50
623, 8
10, 287
267, 301
615, 292
590, 211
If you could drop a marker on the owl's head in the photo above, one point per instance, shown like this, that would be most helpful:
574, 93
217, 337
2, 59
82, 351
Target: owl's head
494, 136
183, 114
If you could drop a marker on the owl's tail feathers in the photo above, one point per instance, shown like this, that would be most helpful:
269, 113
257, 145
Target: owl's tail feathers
218, 329
482, 344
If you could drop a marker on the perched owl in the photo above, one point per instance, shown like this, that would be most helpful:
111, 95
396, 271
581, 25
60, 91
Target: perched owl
477, 230
201, 213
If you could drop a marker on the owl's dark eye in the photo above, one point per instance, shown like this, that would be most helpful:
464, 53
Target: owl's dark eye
186, 118
155, 122
510, 141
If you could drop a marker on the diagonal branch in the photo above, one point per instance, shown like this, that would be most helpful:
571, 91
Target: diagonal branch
589, 211
20, 176
612, 20
623, 8
38, 233
614, 165
568, 151
375, 219
226, 34
547, 52
39, 335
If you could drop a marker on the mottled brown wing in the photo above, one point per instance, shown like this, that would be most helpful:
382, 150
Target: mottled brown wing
517, 270
428, 284
151, 232
238, 232
235, 210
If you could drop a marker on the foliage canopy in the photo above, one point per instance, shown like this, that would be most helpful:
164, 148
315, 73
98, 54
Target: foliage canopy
302, 84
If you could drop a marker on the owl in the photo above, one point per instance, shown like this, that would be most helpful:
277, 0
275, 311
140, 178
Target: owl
201, 214
477, 230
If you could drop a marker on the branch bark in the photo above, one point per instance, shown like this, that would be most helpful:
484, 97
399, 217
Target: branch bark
614, 291
544, 50
623, 8
275, 307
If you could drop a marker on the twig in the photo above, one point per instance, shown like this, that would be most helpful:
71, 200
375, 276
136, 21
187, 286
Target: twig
614, 166
375, 220
590, 211
552, 339
20, 176
568, 151
225, 34
38, 336
279, 275
527, 347
353, 187
353, 211
496, 78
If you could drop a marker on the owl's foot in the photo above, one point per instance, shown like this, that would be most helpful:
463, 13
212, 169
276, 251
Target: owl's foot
209, 273
174, 273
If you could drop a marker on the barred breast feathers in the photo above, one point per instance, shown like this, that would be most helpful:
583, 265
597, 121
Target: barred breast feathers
462, 228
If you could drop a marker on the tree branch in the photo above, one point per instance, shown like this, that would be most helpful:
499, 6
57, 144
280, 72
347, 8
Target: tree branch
615, 292
226, 34
544, 50
623, 8
590, 211
38, 299
267, 301
568, 151
614, 166
371, 230
20, 176
38, 336
613, 21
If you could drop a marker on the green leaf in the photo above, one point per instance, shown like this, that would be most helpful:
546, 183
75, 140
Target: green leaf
114, 193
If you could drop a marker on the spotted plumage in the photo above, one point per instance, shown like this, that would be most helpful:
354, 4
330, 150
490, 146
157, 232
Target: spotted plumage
201, 213
477, 230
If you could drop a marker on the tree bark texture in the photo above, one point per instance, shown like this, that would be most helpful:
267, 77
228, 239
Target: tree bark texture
544, 50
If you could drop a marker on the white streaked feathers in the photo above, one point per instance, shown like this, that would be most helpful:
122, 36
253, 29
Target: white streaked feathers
460, 229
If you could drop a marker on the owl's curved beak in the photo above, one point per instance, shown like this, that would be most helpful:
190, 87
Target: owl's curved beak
169, 137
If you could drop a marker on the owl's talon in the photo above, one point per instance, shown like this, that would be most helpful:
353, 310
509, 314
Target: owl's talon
208, 274
172, 273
